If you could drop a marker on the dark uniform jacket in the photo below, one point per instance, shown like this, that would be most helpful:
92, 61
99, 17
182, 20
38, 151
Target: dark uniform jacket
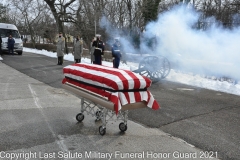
11, 42
99, 47
116, 51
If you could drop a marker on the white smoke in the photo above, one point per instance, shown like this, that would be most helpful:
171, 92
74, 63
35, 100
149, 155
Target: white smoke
212, 52
114, 32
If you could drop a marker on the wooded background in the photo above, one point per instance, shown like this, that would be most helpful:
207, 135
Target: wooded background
45, 18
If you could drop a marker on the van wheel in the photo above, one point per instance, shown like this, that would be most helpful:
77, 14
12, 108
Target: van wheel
19, 53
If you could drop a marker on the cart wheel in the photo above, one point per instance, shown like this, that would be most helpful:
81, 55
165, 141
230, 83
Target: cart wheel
102, 130
154, 67
98, 115
122, 127
79, 117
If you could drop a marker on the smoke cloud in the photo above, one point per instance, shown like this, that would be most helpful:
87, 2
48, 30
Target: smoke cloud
211, 52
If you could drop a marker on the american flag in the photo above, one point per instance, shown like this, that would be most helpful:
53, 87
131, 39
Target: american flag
119, 86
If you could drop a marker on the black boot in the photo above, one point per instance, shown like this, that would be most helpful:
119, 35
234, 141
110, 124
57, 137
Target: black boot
61, 60
58, 61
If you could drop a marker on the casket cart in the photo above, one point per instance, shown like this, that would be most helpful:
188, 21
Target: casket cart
107, 93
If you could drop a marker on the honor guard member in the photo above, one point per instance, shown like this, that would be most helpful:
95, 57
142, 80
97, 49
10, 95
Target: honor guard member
116, 53
60, 48
92, 48
78, 49
98, 51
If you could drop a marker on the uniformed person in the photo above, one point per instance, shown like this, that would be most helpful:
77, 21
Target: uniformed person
116, 53
11, 43
98, 51
78, 49
92, 48
60, 48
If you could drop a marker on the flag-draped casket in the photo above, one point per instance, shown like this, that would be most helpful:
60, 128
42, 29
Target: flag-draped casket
119, 86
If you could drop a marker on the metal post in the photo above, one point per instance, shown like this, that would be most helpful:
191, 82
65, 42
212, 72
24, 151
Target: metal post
82, 105
95, 25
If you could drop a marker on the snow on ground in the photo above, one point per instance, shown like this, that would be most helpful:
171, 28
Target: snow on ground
174, 76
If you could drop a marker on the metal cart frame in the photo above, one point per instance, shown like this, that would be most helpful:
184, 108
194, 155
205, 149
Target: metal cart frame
99, 107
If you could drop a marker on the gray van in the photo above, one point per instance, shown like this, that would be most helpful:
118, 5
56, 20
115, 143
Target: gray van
5, 31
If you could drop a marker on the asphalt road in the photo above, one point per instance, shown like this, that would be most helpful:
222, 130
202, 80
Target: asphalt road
206, 119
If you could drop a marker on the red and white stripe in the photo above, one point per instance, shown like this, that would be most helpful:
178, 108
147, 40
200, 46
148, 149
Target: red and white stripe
112, 78
107, 77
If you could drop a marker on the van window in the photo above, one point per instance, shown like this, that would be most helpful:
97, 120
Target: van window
7, 32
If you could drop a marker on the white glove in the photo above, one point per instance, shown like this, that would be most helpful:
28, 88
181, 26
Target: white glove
113, 58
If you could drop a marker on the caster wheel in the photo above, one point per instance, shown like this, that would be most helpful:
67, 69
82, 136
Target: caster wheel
122, 127
102, 130
79, 117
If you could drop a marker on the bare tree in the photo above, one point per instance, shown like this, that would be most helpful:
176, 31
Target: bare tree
29, 15
129, 17
63, 11
3, 11
223, 11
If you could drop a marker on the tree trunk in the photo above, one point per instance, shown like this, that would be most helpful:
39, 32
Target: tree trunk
59, 22
31, 31
129, 6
